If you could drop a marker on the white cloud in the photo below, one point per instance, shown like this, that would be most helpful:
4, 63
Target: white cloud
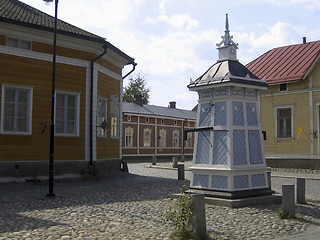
308, 4
179, 21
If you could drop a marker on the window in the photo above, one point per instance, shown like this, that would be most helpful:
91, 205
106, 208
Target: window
129, 118
162, 121
175, 122
147, 120
16, 108
189, 139
283, 87
175, 140
284, 122
114, 127
114, 116
163, 138
147, 137
17, 43
67, 114
102, 117
129, 137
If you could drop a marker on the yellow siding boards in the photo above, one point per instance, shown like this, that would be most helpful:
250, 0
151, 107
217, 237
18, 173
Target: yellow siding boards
301, 117
36, 73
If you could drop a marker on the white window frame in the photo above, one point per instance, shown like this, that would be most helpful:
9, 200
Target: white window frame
100, 131
189, 142
28, 111
147, 138
19, 43
175, 139
163, 138
128, 137
77, 114
114, 117
276, 121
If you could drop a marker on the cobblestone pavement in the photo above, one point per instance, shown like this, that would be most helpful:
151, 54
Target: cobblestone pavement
129, 206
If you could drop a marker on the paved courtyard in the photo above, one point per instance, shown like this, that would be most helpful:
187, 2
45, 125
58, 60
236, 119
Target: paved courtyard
131, 206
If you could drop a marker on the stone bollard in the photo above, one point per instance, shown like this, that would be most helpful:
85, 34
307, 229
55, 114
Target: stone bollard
180, 171
174, 162
154, 160
200, 225
269, 178
288, 205
301, 190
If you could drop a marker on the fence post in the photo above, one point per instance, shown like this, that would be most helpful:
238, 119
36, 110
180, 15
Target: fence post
301, 190
174, 162
288, 205
154, 160
200, 224
180, 171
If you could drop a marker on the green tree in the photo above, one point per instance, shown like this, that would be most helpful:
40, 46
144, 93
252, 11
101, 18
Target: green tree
136, 87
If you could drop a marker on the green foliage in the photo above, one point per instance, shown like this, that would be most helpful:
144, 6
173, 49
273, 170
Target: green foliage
136, 87
181, 215
283, 214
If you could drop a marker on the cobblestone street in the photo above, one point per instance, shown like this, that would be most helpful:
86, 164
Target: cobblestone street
129, 206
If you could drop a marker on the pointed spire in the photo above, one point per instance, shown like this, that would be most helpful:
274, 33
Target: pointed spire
227, 47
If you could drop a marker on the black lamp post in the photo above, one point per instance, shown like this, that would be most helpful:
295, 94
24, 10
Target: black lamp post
51, 157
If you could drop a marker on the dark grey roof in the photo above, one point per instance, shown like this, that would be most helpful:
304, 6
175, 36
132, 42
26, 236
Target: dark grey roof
16, 12
227, 71
152, 110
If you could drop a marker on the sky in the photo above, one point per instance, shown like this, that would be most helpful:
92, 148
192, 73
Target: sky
173, 41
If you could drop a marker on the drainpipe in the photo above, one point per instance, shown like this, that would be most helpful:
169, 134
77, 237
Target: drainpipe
134, 67
105, 47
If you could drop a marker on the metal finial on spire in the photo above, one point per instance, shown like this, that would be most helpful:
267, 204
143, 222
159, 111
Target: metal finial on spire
227, 22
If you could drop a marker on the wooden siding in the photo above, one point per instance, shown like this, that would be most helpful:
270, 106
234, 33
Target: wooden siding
107, 147
38, 74
301, 145
2, 39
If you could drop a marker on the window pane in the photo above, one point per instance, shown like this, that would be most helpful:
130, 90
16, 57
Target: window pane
12, 42
23, 96
9, 110
59, 126
25, 45
71, 101
71, 114
22, 125
59, 100
59, 113
22, 110
9, 95
8, 124
70, 127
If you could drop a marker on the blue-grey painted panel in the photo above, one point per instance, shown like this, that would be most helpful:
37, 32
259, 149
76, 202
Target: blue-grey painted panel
205, 115
220, 182
241, 181
220, 148
239, 147
255, 147
220, 114
203, 148
237, 110
258, 180
252, 118
201, 180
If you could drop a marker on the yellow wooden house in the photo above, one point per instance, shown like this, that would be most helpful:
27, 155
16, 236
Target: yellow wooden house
88, 96
290, 108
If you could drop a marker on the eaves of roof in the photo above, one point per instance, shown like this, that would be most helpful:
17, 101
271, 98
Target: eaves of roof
151, 110
286, 64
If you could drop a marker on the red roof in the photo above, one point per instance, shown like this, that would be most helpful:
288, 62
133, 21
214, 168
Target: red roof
284, 64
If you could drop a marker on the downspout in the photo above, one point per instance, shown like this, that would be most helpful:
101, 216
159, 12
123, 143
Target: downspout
134, 67
105, 47
121, 107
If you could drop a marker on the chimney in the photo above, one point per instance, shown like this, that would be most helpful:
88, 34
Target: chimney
304, 40
172, 104
138, 100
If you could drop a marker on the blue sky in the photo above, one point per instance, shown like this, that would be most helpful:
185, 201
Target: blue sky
175, 40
